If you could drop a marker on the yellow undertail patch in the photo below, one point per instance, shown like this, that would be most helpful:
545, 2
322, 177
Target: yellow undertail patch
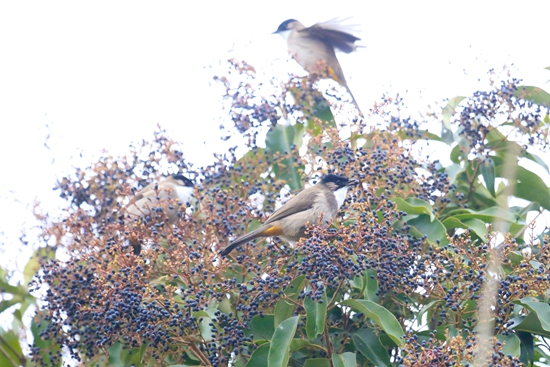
332, 74
273, 231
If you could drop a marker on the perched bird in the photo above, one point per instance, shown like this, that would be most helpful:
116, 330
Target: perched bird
174, 186
157, 195
314, 47
310, 205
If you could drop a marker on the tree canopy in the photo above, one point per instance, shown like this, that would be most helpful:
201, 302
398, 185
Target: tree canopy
429, 263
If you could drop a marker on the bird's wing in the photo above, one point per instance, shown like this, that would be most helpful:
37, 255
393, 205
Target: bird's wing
146, 191
334, 34
301, 202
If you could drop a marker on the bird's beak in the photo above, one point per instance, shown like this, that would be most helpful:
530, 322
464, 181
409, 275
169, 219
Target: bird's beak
352, 182
275, 32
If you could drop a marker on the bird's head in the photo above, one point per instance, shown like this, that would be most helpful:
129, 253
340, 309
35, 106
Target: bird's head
339, 186
335, 182
181, 180
287, 26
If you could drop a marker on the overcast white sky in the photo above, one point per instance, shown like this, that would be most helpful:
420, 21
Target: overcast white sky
99, 75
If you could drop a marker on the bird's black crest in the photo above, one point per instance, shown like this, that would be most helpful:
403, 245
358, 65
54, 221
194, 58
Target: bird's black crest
186, 181
284, 25
340, 181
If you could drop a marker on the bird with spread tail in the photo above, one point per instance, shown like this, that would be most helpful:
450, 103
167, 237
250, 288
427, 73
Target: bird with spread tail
318, 205
314, 47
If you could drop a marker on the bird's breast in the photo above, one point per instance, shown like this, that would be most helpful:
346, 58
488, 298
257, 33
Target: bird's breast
184, 193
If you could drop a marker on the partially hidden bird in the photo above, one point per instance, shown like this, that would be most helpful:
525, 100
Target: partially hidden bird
155, 194
318, 204
311, 46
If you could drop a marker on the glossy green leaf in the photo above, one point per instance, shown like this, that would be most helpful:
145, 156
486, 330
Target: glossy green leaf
347, 359
433, 230
297, 344
261, 327
488, 215
279, 350
414, 206
280, 140
380, 316
538, 319
368, 284
487, 169
527, 356
284, 308
316, 314
529, 186
477, 226
535, 158
533, 94
317, 362
368, 344
205, 328
511, 344
259, 356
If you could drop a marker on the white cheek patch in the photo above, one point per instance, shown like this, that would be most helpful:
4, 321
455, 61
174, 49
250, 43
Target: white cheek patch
285, 34
340, 195
184, 193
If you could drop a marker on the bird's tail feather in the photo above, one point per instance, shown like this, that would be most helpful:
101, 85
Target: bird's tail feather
353, 100
242, 240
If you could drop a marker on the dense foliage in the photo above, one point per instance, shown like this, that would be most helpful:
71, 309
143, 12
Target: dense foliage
427, 264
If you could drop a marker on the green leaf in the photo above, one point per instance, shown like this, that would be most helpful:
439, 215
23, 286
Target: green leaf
347, 359
414, 206
487, 169
279, 350
33, 265
424, 309
317, 362
434, 230
538, 319
369, 345
279, 140
284, 308
511, 344
447, 113
533, 94
4, 305
45, 346
119, 356
449, 110
477, 226
250, 158
259, 356
529, 186
10, 350
299, 129
488, 215
261, 327
297, 344
527, 348
535, 158
316, 314
381, 317
205, 328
